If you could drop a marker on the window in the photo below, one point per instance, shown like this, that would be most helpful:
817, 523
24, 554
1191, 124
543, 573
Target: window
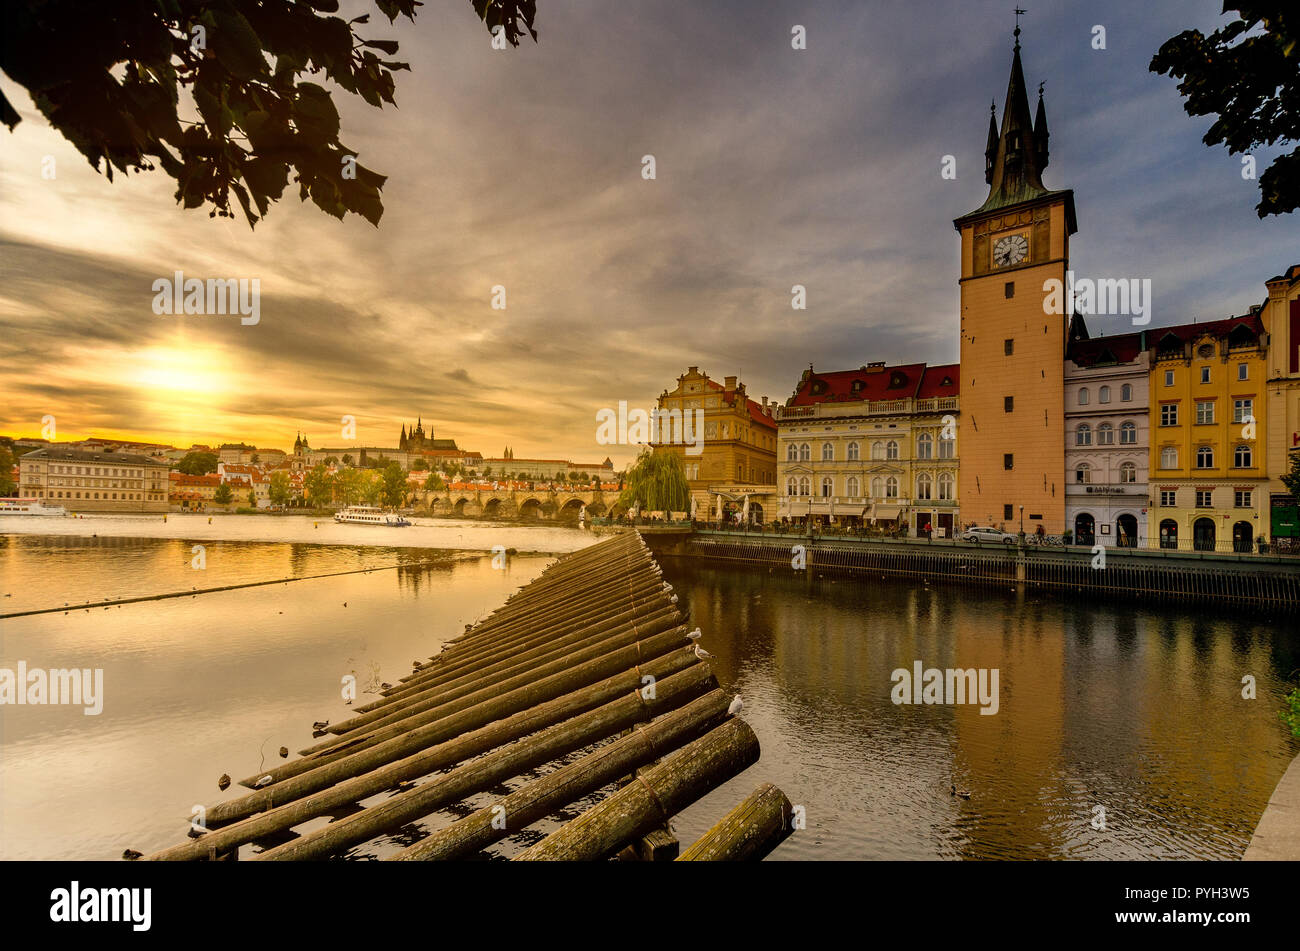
891, 488
1008, 403
851, 487
923, 484
947, 446
1082, 473
827, 486
924, 446
1008, 511
1205, 374
877, 450
1009, 289
1008, 347
1241, 409
1242, 372
1169, 458
1128, 434
1204, 412
1205, 458
828, 452
1083, 435
853, 456
1241, 457
1128, 473
805, 486
1008, 460
1168, 414
1168, 498
1204, 498
877, 487
1103, 395
1241, 498
945, 487
1083, 396
1105, 434
1169, 378
1126, 393
792, 453
891, 450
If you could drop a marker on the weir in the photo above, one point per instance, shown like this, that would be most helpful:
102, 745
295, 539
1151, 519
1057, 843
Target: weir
589, 666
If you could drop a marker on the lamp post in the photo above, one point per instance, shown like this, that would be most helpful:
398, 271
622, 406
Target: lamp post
1022, 524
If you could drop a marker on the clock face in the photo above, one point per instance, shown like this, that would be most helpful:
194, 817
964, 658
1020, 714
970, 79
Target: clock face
1011, 249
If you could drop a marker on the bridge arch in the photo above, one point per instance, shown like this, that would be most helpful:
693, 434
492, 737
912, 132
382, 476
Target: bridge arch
570, 509
530, 508
458, 508
492, 508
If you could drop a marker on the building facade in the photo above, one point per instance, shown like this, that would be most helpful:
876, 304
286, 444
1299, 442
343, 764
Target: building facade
1208, 417
876, 445
1281, 316
84, 480
1107, 440
1013, 401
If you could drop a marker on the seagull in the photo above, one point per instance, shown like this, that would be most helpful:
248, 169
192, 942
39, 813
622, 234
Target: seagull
264, 781
131, 855
224, 782
673, 599
345, 604
736, 706
320, 724
960, 793
284, 752
701, 653
385, 686
695, 635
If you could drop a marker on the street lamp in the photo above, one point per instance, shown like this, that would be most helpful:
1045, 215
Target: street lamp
1022, 524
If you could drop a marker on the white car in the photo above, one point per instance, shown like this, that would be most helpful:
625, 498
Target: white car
986, 533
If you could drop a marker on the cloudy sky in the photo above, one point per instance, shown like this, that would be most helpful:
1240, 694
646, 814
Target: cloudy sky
522, 168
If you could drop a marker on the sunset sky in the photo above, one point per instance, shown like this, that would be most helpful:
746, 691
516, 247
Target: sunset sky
522, 168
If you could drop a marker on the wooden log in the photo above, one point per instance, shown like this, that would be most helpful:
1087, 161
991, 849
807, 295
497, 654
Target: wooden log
680, 678
657, 794
748, 832
472, 777
541, 797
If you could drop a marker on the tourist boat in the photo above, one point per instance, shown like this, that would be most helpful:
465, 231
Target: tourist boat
369, 515
29, 507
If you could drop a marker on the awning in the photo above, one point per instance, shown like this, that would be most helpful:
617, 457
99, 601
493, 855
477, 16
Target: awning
886, 513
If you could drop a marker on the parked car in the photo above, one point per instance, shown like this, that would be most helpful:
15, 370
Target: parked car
986, 533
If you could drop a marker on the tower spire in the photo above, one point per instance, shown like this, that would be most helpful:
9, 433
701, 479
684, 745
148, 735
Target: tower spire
1040, 130
1014, 159
991, 149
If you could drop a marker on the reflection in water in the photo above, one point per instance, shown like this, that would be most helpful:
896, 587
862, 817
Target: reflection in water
1100, 706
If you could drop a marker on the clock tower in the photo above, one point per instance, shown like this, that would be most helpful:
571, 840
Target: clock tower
1012, 440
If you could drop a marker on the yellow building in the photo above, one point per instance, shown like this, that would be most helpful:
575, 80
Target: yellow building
1281, 316
101, 480
873, 445
738, 448
1208, 479
1012, 352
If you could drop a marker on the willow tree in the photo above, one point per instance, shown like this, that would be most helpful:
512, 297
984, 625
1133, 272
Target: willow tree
657, 482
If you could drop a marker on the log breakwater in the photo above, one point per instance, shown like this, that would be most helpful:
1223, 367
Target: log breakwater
1271, 584
591, 665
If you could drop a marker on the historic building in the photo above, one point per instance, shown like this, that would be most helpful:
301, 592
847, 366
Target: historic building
1013, 400
873, 445
1281, 316
83, 480
416, 441
1106, 440
1209, 483
737, 446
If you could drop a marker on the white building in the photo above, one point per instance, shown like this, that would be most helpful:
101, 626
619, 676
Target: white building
1106, 440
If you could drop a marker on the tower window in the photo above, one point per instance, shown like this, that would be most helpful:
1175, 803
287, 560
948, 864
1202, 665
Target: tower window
1008, 511
1008, 403
1008, 347
1008, 460
1009, 289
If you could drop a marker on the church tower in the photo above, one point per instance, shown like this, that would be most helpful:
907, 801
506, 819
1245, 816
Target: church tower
1011, 441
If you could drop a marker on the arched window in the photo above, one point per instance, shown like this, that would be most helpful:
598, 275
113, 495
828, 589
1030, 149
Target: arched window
853, 452
923, 484
1083, 435
1241, 457
877, 450
792, 453
1083, 396
1168, 533
828, 452
1126, 393
1128, 473
827, 487
1103, 394
947, 447
805, 452
1128, 434
1205, 458
891, 450
924, 446
1169, 458
1082, 473
876, 489
791, 486
851, 486
891, 488
805, 486
1105, 434
945, 487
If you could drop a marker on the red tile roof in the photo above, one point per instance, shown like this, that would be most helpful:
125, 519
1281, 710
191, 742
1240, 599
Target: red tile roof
885, 383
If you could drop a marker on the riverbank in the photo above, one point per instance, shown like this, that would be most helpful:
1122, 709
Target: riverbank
1277, 837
